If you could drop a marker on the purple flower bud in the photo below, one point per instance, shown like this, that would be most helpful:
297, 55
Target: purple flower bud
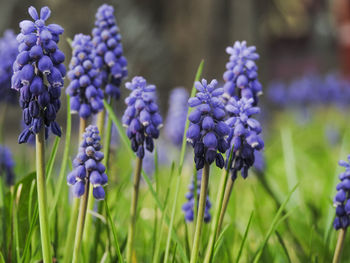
99, 193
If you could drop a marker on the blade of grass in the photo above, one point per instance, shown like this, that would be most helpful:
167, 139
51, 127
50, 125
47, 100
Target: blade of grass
283, 245
114, 230
273, 225
244, 237
52, 158
219, 241
182, 158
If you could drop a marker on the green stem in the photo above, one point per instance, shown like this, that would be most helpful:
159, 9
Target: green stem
225, 202
101, 122
339, 247
201, 210
107, 140
75, 209
42, 200
81, 222
214, 225
133, 210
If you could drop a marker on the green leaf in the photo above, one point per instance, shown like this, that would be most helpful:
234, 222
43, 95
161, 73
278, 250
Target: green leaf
182, 158
114, 231
244, 237
283, 245
273, 225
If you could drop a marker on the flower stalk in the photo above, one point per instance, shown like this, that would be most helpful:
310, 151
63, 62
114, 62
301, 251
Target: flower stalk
339, 246
133, 210
200, 216
42, 199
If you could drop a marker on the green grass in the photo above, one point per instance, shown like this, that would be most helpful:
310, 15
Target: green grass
255, 228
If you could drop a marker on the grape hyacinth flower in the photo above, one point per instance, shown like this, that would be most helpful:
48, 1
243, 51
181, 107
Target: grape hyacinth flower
241, 76
244, 135
109, 51
207, 131
88, 167
342, 198
177, 113
187, 208
85, 86
6, 165
38, 73
8, 54
141, 116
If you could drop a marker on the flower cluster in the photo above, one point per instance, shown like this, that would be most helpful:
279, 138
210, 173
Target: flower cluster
176, 118
244, 134
241, 76
8, 54
88, 167
6, 165
342, 198
84, 89
39, 60
109, 51
141, 116
187, 208
207, 131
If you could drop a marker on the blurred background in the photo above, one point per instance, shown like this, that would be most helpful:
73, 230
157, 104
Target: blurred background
164, 41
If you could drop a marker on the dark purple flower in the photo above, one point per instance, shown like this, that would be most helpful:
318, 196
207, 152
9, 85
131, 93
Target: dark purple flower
244, 134
241, 76
109, 51
187, 208
176, 118
8, 54
85, 86
6, 165
88, 166
38, 73
207, 131
342, 198
141, 116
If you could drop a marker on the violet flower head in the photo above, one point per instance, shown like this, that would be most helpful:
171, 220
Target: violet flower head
8, 54
187, 208
109, 51
141, 116
38, 73
208, 131
6, 165
85, 86
241, 75
342, 198
176, 118
88, 167
244, 134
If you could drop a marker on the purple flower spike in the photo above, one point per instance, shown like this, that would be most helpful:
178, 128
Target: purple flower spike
141, 116
241, 76
109, 51
8, 54
207, 131
6, 165
176, 118
187, 208
85, 86
342, 198
38, 73
244, 135
88, 167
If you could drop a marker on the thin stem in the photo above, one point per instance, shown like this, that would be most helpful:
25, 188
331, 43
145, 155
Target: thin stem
75, 209
81, 222
133, 210
201, 210
215, 223
42, 200
226, 200
339, 247
107, 141
101, 122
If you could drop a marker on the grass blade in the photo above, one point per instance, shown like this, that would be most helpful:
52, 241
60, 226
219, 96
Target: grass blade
52, 158
273, 225
182, 158
283, 245
244, 237
114, 230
